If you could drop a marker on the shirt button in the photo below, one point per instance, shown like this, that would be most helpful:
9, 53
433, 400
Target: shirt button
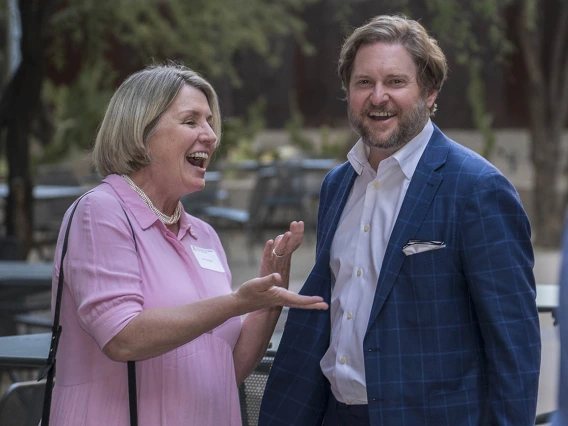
343, 360
349, 315
376, 185
366, 228
359, 272
349, 401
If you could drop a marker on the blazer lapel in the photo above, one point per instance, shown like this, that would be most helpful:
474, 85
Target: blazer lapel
318, 282
333, 214
419, 197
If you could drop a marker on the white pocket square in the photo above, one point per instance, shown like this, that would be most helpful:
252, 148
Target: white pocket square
420, 246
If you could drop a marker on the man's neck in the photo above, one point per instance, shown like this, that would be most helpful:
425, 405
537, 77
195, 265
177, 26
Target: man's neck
376, 155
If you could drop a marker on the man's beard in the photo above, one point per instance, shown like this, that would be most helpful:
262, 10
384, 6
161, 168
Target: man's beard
410, 124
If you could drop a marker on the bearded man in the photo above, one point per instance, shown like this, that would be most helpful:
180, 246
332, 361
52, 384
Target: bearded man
424, 255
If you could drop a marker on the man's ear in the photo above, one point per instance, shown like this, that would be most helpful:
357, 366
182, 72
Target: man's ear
431, 98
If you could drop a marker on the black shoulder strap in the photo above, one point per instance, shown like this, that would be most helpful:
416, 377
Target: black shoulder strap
49, 368
133, 403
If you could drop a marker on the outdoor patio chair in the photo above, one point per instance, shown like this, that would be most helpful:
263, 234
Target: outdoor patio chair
222, 218
56, 175
48, 213
33, 322
287, 197
10, 248
211, 195
252, 390
12, 304
22, 403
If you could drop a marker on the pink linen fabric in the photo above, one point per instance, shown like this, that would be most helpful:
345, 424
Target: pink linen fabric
107, 283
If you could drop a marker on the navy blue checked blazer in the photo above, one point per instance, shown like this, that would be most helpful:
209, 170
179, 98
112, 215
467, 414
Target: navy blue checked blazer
453, 336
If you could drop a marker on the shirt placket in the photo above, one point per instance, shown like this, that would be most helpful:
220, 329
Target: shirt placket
353, 324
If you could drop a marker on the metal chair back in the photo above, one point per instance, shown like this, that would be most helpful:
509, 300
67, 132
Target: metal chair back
197, 202
22, 403
252, 390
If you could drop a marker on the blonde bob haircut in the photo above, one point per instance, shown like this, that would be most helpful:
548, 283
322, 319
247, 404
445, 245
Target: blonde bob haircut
397, 29
133, 113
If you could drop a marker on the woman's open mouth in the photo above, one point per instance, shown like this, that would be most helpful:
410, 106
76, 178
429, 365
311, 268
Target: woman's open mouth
197, 159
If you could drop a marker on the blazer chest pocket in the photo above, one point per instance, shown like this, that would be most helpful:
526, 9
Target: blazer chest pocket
427, 257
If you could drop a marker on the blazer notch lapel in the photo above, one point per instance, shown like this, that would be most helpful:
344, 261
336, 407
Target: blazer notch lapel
419, 197
337, 204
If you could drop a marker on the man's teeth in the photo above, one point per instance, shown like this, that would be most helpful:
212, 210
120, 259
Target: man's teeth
382, 114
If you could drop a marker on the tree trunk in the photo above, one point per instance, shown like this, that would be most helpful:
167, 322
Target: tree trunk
548, 207
19, 205
546, 98
17, 108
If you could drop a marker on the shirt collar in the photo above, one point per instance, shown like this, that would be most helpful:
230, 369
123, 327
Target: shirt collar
358, 156
140, 210
407, 157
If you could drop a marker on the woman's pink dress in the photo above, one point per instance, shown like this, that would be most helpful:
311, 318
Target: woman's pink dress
107, 283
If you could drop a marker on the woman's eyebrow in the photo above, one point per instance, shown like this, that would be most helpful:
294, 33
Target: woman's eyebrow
195, 113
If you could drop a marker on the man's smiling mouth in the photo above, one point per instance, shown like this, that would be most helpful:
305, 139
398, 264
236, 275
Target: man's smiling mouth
376, 115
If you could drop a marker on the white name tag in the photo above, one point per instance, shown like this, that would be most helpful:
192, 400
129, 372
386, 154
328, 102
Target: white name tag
207, 259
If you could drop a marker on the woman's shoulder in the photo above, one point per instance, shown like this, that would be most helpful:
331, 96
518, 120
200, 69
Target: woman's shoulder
99, 202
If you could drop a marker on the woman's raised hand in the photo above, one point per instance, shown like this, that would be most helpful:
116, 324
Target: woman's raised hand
286, 244
278, 252
272, 288
265, 292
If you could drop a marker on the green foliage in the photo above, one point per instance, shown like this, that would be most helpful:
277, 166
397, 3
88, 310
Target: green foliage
476, 99
85, 26
203, 34
334, 144
295, 126
239, 134
78, 109
3, 43
531, 15
452, 22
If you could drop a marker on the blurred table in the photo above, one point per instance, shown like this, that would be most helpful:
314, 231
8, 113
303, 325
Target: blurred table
22, 277
314, 164
20, 281
50, 204
26, 350
48, 192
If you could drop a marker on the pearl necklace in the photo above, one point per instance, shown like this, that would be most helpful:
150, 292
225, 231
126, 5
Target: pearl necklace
165, 219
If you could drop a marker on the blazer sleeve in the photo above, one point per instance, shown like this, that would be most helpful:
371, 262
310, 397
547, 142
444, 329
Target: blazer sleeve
498, 264
561, 415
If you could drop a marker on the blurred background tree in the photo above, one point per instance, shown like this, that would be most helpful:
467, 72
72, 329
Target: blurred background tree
538, 31
113, 38
273, 65
103, 36
542, 34
527, 40
20, 107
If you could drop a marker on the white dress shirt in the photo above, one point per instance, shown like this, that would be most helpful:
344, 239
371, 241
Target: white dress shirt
356, 257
